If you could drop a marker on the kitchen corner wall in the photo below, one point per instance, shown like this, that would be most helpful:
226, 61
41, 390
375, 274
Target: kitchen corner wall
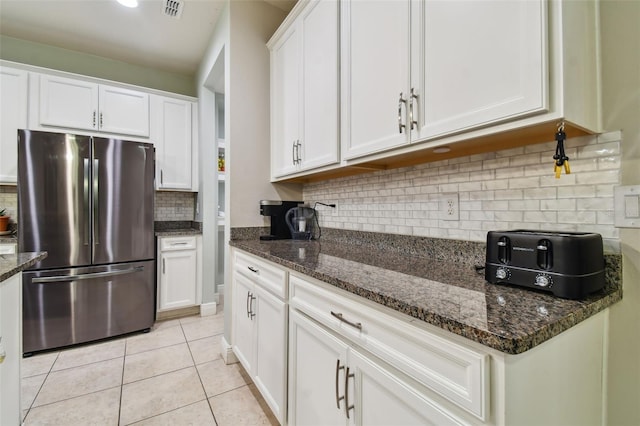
509, 189
169, 206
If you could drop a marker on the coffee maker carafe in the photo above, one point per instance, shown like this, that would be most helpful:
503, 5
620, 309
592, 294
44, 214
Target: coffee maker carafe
301, 222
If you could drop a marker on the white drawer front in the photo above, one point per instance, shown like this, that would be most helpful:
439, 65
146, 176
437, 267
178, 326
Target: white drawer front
177, 243
455, 372
271, 277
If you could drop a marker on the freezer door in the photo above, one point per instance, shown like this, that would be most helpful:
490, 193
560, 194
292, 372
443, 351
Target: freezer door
76, 305
53, 197
122, 201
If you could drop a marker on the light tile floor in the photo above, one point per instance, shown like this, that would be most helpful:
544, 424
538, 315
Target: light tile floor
173, 375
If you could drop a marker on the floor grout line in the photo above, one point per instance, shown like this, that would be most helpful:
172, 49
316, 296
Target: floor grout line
209, 357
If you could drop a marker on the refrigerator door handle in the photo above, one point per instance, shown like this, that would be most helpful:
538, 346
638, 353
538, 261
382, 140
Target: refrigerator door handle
86, 210
66, 278
96, 206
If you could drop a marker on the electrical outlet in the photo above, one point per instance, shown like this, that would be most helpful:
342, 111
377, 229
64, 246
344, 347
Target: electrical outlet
449, 209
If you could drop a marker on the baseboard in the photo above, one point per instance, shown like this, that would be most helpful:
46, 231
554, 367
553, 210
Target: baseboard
226, 351
207, 309
178, 313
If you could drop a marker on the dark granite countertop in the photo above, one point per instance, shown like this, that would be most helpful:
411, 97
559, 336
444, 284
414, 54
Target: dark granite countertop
177, 228
448, 294
11, 264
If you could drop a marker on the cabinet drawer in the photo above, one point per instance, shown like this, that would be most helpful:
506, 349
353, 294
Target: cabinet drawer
457, 373
271, 277
177, 243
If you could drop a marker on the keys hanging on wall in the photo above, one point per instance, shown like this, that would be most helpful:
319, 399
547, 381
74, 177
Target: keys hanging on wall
561, 159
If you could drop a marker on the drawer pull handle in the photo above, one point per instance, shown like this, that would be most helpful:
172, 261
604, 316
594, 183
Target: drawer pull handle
250, 313
347, 407
339, 315
252, 269
338, 397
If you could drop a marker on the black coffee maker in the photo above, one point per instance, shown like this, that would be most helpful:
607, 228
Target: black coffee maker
278, 211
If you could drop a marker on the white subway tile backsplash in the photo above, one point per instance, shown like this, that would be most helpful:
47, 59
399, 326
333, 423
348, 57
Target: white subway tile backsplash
509, 189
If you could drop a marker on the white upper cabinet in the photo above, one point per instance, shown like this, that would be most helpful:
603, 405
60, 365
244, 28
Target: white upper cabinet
77, 104
172, 135
414, 70
375, 66
476, 62
304, 89
13, 116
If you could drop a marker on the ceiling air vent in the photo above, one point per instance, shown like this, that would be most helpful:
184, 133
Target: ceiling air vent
173, 8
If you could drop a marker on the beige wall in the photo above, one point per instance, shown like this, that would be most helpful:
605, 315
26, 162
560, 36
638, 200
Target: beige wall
42, 55
620, 44
252, 23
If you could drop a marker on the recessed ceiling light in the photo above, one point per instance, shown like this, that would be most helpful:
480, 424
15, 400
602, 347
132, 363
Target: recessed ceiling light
442, 150
129, 3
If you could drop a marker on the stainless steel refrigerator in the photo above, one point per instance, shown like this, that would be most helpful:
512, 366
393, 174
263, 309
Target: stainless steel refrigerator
88, 202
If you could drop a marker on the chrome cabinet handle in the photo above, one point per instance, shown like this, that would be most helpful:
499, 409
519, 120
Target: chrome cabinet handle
338, 397
293, 152
164, 266
251, 299
298, 151
339, 315
347, 407
400, 102
101, 120
248, 296
94, 118
252, 269
411, 99
161, 177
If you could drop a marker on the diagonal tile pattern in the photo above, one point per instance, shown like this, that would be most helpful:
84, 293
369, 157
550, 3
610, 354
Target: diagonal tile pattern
173, 375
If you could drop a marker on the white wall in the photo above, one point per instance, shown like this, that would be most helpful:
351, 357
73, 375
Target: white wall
206, 79
620, 42
248, 130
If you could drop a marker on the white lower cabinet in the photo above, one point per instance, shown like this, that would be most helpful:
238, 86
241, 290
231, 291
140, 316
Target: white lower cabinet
330, 383
10, 350
179, 276
259, 332
353, 362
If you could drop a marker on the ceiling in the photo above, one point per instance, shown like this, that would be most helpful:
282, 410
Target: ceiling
142, 36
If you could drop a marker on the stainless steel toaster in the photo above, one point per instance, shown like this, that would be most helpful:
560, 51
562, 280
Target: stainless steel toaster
567, 264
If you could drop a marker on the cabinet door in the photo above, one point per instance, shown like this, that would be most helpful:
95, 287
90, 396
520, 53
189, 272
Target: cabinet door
375, 75
316, 374
320, 94
11, 344
285, 105
477, 62
172, 135
68, 103
177, 279
381, 398
243, 317
13, 109
123, 111
269, 373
